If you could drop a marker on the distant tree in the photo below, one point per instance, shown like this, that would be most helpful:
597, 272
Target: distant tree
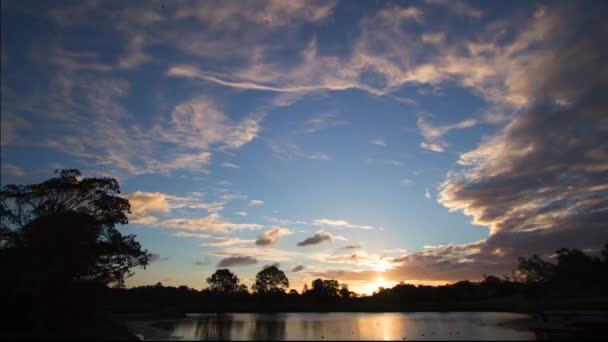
63, 230
242, 289
270, 280
223, 282
575, 266
293, 292
345, 292
325, 289
535, 269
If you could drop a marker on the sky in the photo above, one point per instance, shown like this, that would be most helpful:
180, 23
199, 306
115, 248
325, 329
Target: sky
371, 142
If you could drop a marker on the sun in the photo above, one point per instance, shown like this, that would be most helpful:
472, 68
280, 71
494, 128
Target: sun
373, 286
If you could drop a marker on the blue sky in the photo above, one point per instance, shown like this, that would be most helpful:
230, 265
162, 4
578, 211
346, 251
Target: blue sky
368, 141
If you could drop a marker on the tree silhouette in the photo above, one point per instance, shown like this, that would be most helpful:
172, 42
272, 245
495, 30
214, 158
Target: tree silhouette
325, 289
63, 230
224, 282
535, 269
270, 280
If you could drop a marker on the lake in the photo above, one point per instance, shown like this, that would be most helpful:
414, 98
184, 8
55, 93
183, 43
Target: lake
340, 326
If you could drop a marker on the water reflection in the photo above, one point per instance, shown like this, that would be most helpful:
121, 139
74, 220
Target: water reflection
349, 326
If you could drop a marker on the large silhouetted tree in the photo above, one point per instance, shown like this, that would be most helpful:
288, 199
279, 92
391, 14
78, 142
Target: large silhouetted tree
224, 282
63, 230
270, 280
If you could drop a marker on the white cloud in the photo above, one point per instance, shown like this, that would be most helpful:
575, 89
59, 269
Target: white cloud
227, 241
211, 223
432, 134
427, 194
272, 236
378, 142
194, 235
339, 224
230, 165
241, 213
13, 170
290, 150
253, 203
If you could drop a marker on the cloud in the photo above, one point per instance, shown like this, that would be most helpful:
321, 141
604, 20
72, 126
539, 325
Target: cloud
347, 247
189, 234
238, 260
298, 268
427, 194
432, 134
378, 142
433, 38
230, 165
316, 239
539, 184
241, 213
406, 182
290, 150
210, 223
463, 8
392, 162
253, 203
205, 262
155, 257
339, 224
269, 254
13, 170
148, 207
320, 122
227, 241
275, 14
272, 236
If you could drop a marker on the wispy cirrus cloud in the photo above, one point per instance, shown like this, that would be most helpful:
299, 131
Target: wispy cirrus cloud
211, 223
253, 203
433, 134
230, 165
227, 241
292, 150
378, 142
339, 224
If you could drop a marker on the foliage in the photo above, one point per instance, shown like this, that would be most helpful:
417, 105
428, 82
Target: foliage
224, 282
324, 289
535, 269
270, 280
63, 230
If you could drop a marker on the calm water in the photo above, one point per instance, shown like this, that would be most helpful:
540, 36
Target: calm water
340, 326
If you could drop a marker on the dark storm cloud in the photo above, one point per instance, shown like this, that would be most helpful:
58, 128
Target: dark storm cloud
316, 239
237, 260
298, 268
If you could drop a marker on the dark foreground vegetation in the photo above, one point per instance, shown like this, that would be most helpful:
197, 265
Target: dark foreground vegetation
64, 264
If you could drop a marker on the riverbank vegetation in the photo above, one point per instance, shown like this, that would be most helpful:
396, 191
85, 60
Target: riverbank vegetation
576, 280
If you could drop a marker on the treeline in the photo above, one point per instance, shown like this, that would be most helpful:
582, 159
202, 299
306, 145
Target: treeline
574, 280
